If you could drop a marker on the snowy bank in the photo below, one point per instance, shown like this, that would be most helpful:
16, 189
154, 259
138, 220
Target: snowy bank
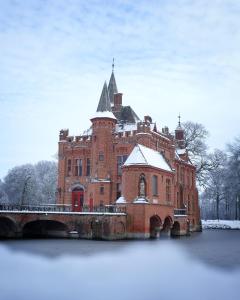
220, 224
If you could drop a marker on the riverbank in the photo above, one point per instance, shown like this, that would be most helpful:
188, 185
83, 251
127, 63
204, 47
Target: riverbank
220, 224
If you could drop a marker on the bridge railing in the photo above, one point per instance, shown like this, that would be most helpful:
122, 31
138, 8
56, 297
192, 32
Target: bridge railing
180, 212
63, 208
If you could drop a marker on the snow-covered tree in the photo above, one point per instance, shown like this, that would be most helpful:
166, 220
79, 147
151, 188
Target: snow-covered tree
20, 185
3, 195
46, 174
30, 184
215, 179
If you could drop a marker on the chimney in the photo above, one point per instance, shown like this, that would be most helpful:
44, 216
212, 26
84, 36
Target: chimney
117, 101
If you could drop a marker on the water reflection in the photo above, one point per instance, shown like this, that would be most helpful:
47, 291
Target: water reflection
81, 269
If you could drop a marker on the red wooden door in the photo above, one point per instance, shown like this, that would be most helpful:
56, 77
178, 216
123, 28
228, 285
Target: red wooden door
77, 200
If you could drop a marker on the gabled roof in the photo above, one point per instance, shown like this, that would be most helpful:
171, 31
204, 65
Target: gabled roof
126, 115
145, 156
112, 88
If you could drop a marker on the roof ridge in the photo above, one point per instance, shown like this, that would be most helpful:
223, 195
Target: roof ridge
142, 152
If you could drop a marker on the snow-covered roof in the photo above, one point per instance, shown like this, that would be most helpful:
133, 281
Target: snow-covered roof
142, 155
181, 151
104, 114
126, 127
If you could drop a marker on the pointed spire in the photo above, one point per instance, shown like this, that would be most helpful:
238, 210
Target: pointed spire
179, 127
113, 65
179, 120
104, 102
112, 86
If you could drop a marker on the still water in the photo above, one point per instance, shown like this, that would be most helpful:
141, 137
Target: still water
203, 266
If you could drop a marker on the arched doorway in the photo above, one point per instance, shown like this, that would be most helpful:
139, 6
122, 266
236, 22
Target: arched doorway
155, 226
77, 199
8, 228
166, 230
175, 229
45, 229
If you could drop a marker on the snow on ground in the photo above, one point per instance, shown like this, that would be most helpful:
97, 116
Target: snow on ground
220, 224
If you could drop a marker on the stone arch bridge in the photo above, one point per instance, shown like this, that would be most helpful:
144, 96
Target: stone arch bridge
108, 223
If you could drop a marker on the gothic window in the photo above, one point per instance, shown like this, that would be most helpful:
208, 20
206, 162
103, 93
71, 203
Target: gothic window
142, 186
78, 167
193, 204
119, 190
88, 170
69, 167
168, 190
155, 185
101, 156
101, 190
120, 161
182, 175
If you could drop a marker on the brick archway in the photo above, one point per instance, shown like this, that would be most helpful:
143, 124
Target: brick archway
8, 227
176, 229
45, 228
167, 225
155, 226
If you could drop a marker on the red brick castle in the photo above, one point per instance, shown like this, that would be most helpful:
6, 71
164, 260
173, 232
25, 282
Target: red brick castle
127, 162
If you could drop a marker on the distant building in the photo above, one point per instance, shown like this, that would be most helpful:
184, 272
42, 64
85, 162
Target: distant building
124, 161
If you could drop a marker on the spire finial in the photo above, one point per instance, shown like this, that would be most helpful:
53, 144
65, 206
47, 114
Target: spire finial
113, 65
179, 120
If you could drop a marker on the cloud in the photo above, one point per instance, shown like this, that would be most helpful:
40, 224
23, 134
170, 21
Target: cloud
171, 56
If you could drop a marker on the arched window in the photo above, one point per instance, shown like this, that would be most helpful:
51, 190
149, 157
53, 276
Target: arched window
142, 186
154, 185
168, 190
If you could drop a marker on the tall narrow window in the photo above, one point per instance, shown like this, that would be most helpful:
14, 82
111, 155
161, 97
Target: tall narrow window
119, 190
168, 190
88, 167
182, 175
78, 167
120, 161
155, 185
101, 156
101, 190
69, 167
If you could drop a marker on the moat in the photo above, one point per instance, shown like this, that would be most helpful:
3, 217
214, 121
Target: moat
203, 266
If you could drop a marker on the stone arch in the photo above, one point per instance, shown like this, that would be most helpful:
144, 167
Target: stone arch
45, 228
167, 225
176, 228
120, 229
155, 226
97, 229
77, 185
8, 227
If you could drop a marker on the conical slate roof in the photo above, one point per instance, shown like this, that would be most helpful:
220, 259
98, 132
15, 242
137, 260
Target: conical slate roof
112, 88
104, 106
104, 102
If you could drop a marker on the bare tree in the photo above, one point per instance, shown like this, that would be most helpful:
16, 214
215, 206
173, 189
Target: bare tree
195, 142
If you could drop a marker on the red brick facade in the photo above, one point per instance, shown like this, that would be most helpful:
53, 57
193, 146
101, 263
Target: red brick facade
92, 172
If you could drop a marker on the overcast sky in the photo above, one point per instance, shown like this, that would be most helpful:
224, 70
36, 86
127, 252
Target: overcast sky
171, 56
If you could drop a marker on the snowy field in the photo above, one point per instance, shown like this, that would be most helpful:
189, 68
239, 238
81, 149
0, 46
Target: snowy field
220, 224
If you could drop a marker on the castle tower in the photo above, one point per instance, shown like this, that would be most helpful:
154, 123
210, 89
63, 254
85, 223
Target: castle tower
103, 125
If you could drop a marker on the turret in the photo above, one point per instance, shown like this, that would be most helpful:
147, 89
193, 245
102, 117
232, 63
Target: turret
179, 135
103, 125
